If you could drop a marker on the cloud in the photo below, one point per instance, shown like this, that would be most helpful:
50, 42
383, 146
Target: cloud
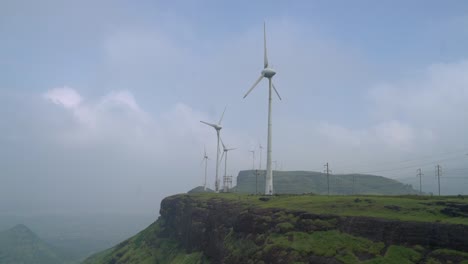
65, 96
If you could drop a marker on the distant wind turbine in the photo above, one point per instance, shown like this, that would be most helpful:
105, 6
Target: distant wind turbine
205, 159
218, 128
253, 159
268, 73
260, 161
225, 155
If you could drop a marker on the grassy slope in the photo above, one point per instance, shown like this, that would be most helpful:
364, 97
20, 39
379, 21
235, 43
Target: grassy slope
147, 247
21, 245
411, 208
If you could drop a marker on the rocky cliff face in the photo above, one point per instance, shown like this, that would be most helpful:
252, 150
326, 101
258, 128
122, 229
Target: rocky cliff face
227, 231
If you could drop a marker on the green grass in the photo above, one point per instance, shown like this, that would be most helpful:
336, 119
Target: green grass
398, 254
327, 244
411, 208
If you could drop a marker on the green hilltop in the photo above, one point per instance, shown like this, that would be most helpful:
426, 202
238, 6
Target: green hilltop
241, 228
20, 245
298, 182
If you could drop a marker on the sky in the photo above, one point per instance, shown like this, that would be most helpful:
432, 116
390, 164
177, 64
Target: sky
100, 101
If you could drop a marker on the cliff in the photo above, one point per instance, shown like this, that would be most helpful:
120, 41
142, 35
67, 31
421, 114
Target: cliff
227, 228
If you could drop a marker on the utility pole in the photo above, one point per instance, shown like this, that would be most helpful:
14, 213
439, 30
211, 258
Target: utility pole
420, 174
353, 183
327, 171
260, 165
438, 172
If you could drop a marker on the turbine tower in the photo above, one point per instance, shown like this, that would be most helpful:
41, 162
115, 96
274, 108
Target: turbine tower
268, 73
225, 155
205, 159
218, 128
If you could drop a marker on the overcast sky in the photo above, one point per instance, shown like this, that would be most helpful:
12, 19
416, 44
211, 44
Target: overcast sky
100, 101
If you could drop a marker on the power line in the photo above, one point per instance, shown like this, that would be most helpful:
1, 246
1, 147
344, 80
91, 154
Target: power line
407, 167
421, 158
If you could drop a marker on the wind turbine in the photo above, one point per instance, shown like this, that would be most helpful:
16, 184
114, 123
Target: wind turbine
260, 161
268, 73
205, 159
253, 159
218, 128
276, 164
225, 155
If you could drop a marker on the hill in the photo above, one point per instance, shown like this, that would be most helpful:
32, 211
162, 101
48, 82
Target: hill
21, 245
298, 182
240, 228
200, 189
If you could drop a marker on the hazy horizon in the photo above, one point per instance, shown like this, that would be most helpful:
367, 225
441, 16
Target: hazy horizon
100, 102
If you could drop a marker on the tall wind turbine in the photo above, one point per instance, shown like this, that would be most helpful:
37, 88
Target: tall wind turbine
225, 155
268, 73
205, 159
218, 128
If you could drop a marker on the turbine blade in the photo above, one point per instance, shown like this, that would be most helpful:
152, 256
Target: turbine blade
265, 56
254, 85
274, 88
221, 159
232, 149
221, 119
222, 143
206, 123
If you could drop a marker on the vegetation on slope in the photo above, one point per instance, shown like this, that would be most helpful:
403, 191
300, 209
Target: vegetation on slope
149, 246
298, 182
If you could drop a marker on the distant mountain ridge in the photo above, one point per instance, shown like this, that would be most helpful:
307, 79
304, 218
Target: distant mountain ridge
297, 182
20, 245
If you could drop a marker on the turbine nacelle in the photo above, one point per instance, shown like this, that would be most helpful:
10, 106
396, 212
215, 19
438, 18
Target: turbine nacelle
268, 73
215, 126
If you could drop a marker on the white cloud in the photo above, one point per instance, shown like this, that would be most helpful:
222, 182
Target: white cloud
65, 96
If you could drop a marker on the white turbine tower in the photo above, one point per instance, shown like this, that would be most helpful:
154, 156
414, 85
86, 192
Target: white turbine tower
268, 73
225, 155
205, 159
218, 128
